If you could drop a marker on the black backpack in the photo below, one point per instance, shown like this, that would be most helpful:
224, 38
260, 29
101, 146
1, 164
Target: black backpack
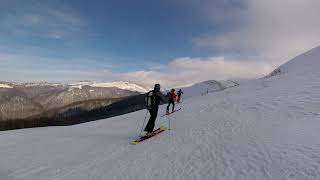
168, 95
150, 99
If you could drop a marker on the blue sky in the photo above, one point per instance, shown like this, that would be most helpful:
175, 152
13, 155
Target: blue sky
174, 42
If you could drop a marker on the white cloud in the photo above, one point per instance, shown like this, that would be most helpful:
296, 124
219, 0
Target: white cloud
41, 19
184, 71
273, 30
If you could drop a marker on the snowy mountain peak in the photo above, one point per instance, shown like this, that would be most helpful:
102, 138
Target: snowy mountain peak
5, 86
116, 84
32, 84
80, 84
122, 85
308, 62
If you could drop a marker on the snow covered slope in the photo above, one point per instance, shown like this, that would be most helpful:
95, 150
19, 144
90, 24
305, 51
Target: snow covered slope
306, 63
200, 89
266, 129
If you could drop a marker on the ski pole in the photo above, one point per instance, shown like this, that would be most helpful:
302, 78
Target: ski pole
169, 121
143, 123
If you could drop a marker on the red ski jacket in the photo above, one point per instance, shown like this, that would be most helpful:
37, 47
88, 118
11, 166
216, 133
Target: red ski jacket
173, 95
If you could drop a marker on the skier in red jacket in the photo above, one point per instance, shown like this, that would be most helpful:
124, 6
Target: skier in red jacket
171, 98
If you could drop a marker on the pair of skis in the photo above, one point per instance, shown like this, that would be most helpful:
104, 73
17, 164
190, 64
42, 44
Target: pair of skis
150, 135
171, 112
154, 133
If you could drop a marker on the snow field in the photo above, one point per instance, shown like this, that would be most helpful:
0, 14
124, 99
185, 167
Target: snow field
264, 129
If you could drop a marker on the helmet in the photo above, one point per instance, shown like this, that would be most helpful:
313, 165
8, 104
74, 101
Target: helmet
157, 87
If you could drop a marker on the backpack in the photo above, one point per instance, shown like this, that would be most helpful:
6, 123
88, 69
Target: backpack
150, 100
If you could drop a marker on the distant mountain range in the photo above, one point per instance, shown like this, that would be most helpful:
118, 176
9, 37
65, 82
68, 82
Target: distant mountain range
45, 104
23, 100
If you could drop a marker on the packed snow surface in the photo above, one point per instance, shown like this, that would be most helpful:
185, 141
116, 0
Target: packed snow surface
262, 129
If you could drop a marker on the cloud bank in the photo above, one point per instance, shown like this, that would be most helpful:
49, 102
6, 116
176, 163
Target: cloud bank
186, 70
178, 72
274, 31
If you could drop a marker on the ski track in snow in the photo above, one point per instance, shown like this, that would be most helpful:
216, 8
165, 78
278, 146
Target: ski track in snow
265, 129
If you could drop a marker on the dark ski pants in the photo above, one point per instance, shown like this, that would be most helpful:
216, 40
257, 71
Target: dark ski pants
178, 100
171, 101
152, 119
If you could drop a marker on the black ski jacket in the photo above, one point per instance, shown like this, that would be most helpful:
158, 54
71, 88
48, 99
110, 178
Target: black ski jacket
158, 97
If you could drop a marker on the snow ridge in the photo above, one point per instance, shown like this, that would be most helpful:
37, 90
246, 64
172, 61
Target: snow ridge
117, 84
122, 85
308, 62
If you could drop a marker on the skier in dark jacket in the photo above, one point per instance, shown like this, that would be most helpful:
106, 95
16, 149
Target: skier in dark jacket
153, 109
172, 98
179, 95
